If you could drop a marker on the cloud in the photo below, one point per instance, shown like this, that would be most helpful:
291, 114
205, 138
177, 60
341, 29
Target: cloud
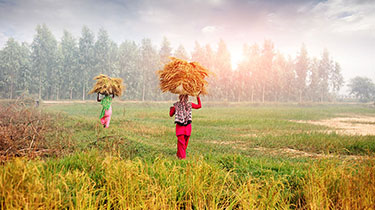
209, 29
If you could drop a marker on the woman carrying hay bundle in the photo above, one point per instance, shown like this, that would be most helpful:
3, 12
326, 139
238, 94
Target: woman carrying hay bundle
183, 78
105, 115
183, 118
109, 87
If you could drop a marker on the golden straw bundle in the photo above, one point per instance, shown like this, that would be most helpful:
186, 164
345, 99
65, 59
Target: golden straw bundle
182, 77
106, 85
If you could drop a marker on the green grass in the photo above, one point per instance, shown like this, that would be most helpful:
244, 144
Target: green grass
235, 159
217, 129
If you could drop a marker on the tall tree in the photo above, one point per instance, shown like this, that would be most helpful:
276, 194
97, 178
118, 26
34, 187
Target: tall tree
255, 70
278, 73
102, 53
181, 53
242, 75
86, 58
289, 78
129, 63
165, 51
325, 67
69, 64
113, 60
223, 68
267, 57
44, 48
25, 82
314, 80
336, 78
198, 53
11, 62
302, 67
149, 64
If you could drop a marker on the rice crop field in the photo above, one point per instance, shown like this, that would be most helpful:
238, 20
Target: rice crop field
240, 156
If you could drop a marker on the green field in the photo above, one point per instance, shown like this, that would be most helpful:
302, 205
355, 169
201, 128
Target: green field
240, 156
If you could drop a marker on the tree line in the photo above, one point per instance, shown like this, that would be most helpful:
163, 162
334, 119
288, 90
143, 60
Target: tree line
49, 69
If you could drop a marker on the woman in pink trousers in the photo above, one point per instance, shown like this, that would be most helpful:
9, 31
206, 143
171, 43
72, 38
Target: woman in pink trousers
183, 120
105, 115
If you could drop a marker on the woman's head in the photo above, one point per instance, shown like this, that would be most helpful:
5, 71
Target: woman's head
183, 97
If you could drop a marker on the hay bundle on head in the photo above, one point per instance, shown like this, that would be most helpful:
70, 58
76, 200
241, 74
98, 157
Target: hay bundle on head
182, 77
106, 85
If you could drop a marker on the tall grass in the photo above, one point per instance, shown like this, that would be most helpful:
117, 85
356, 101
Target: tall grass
95, 181
132, 164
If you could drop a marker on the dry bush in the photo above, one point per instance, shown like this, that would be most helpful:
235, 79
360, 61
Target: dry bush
25, 131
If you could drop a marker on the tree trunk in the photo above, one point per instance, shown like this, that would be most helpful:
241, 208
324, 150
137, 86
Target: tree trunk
11, 90
57, 93
71, 93
263, 90
300, 96
40, 90
252, 94
83, 92
143, 91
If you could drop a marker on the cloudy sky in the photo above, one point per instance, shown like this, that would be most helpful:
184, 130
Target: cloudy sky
345, 27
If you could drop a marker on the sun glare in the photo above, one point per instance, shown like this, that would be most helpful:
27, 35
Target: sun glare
236, 57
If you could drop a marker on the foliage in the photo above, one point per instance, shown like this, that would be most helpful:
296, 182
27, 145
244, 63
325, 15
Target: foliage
62, 69
362, 88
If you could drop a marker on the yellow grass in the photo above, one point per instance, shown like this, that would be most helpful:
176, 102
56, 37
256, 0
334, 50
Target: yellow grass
167, 184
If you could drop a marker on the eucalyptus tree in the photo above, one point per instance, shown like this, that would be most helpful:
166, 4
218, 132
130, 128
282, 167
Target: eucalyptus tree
325, 67
102, 53
150, 63
113, 59
129, 69
242, 75
302, 68
43, 58
314, 80
266, 62
278, 83
223, 68
336, 78
86, 59
69, 64
24, 80
165, 51
181, 53
11, 62
198, 54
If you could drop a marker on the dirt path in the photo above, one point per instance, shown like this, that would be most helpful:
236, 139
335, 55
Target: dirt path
349, 125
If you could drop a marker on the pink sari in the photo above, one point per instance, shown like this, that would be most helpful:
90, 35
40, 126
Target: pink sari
107, 117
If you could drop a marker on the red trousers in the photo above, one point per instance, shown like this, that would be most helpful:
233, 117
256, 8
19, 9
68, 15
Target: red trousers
182, 143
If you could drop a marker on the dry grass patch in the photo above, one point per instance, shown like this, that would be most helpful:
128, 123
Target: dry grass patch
350, 125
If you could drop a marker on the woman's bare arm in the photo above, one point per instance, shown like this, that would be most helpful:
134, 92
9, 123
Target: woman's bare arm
97, 98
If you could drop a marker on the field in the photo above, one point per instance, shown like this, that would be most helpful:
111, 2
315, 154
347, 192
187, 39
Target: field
240, 156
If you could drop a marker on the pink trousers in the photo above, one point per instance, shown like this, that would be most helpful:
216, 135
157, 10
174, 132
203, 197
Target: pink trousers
182, 143
107, 117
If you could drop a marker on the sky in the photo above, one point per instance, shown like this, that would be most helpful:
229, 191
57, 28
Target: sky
345, 27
